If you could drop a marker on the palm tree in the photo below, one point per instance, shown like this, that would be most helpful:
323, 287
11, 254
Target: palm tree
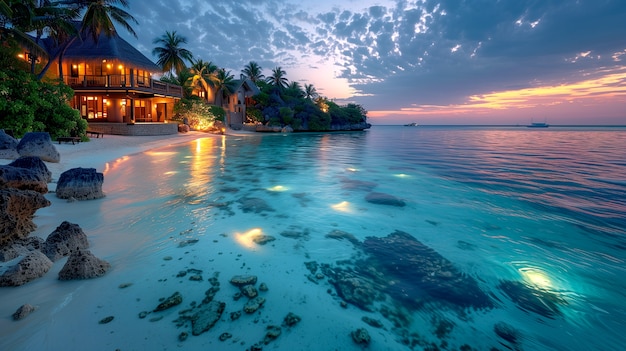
98, 18
203, 75
170, 54
296, 89
253, 71
225, 85
310, 92
278, 78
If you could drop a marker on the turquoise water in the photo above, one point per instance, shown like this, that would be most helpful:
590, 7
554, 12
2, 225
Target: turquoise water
473, 238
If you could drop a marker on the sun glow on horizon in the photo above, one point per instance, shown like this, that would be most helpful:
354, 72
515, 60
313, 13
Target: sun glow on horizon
593, 93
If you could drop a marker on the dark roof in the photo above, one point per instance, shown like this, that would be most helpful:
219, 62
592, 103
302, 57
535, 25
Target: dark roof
248, 85
107, 48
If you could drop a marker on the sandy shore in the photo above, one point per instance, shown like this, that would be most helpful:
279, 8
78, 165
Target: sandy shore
98, 151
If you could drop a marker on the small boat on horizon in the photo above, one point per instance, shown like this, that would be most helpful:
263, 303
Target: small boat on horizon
538, 125
412, 124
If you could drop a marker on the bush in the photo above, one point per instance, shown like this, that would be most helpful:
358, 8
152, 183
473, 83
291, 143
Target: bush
198, 114
28, 105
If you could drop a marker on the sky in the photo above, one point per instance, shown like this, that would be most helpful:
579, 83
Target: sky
430, 62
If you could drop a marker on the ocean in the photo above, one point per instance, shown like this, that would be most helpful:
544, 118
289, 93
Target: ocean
420, 238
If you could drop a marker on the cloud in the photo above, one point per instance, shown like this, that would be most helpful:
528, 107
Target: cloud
401, 54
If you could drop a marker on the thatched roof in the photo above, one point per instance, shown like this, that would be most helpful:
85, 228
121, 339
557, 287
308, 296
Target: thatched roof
107, 48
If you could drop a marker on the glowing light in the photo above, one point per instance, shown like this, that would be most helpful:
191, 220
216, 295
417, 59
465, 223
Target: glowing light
343, 206
402, 175
278, 188
170, 172
536, 278
350, 169
247, 239
160, 153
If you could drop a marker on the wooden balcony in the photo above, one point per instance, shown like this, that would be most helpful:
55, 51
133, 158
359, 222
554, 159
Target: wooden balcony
120, 82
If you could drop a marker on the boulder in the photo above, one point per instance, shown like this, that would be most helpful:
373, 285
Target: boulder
206, 317
65, 238
17, 208
23, 311
82, 264
33, 266
38, 144
35, 164
23, 179
287, 129
8, 146
183, 128
80, 184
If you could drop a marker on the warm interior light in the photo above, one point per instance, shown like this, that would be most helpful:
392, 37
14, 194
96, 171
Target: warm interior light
277, 188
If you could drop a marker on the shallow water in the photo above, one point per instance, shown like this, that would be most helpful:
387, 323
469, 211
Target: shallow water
534, 219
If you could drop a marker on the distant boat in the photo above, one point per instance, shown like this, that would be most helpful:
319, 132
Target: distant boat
538, 125
413, 124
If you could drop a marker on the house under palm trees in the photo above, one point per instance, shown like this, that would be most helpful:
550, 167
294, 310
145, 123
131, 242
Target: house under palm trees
114, 86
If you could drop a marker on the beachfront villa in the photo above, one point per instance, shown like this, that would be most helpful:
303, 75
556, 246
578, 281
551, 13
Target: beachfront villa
117, 90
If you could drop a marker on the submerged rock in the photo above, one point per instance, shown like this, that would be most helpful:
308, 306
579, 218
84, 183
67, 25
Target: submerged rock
175, 299
254, 304
361, 336
23, 311
254, 204
206, 317
415, 269
530, 299
242, 280
384, 199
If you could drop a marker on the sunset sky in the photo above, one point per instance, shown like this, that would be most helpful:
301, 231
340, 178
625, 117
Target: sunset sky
430, 62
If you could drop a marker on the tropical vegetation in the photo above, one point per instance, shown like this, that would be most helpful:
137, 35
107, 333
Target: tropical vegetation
206, 87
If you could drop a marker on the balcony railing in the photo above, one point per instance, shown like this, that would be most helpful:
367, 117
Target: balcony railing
124, 82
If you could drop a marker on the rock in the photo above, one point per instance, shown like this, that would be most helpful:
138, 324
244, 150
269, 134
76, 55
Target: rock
225, 336
413, 269
35, 164
17, 208
287, 129
291, 319
507, 332
38, 144
356, 290
8, 146
31, 267
106, 320
183, 336
249, 291
272, 333
361, 336
254, 304
263, 287
80, 184
23, 311
262, 239
175, 299
340, 234
22, 178
384, 199
206, 317
65, 238
527, 298
183, 128
242, 280
254, 204
82, 264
